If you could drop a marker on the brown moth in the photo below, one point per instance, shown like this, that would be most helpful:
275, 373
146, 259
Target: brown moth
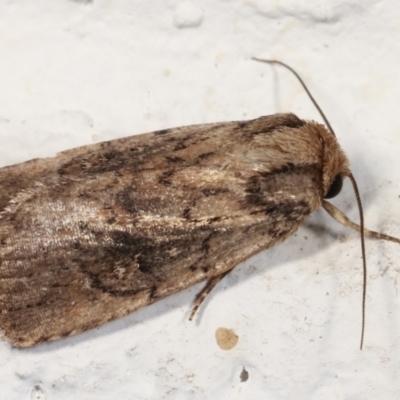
99, 231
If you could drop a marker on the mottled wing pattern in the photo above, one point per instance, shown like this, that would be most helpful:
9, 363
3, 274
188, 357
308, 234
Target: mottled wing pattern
97, 232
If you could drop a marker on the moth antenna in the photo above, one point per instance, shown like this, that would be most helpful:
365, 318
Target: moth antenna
364, 295
353, 181
305, 88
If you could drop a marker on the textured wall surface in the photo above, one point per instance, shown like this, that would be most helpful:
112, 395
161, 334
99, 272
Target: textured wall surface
79, 72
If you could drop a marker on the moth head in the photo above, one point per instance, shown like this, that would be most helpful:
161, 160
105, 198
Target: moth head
335, 165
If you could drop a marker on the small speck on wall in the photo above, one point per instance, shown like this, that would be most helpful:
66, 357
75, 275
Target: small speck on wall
226, 338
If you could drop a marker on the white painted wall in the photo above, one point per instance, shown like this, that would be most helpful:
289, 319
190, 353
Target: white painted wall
79, 72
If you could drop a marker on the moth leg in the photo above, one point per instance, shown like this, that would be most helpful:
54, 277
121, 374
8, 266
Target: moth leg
340, 217
205, 291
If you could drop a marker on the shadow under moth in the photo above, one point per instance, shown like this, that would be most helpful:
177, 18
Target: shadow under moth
99, 231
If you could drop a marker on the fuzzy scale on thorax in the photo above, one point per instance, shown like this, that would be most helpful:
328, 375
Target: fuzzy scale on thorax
118, 225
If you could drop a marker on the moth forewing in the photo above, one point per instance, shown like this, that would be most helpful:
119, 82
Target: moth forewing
97, 232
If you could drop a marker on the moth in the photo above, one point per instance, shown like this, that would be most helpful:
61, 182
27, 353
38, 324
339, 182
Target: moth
99, 231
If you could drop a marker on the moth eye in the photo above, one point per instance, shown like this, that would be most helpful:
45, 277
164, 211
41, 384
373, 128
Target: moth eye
335, 188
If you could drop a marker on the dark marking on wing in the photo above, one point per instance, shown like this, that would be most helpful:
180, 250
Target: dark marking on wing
214, 191
256, 127
174, 159
204, 156
125, 199
262, 186
166, 177
205, 245
161, 132
180, 146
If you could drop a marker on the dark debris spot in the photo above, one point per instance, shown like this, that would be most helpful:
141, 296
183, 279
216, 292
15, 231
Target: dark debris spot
244, 375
